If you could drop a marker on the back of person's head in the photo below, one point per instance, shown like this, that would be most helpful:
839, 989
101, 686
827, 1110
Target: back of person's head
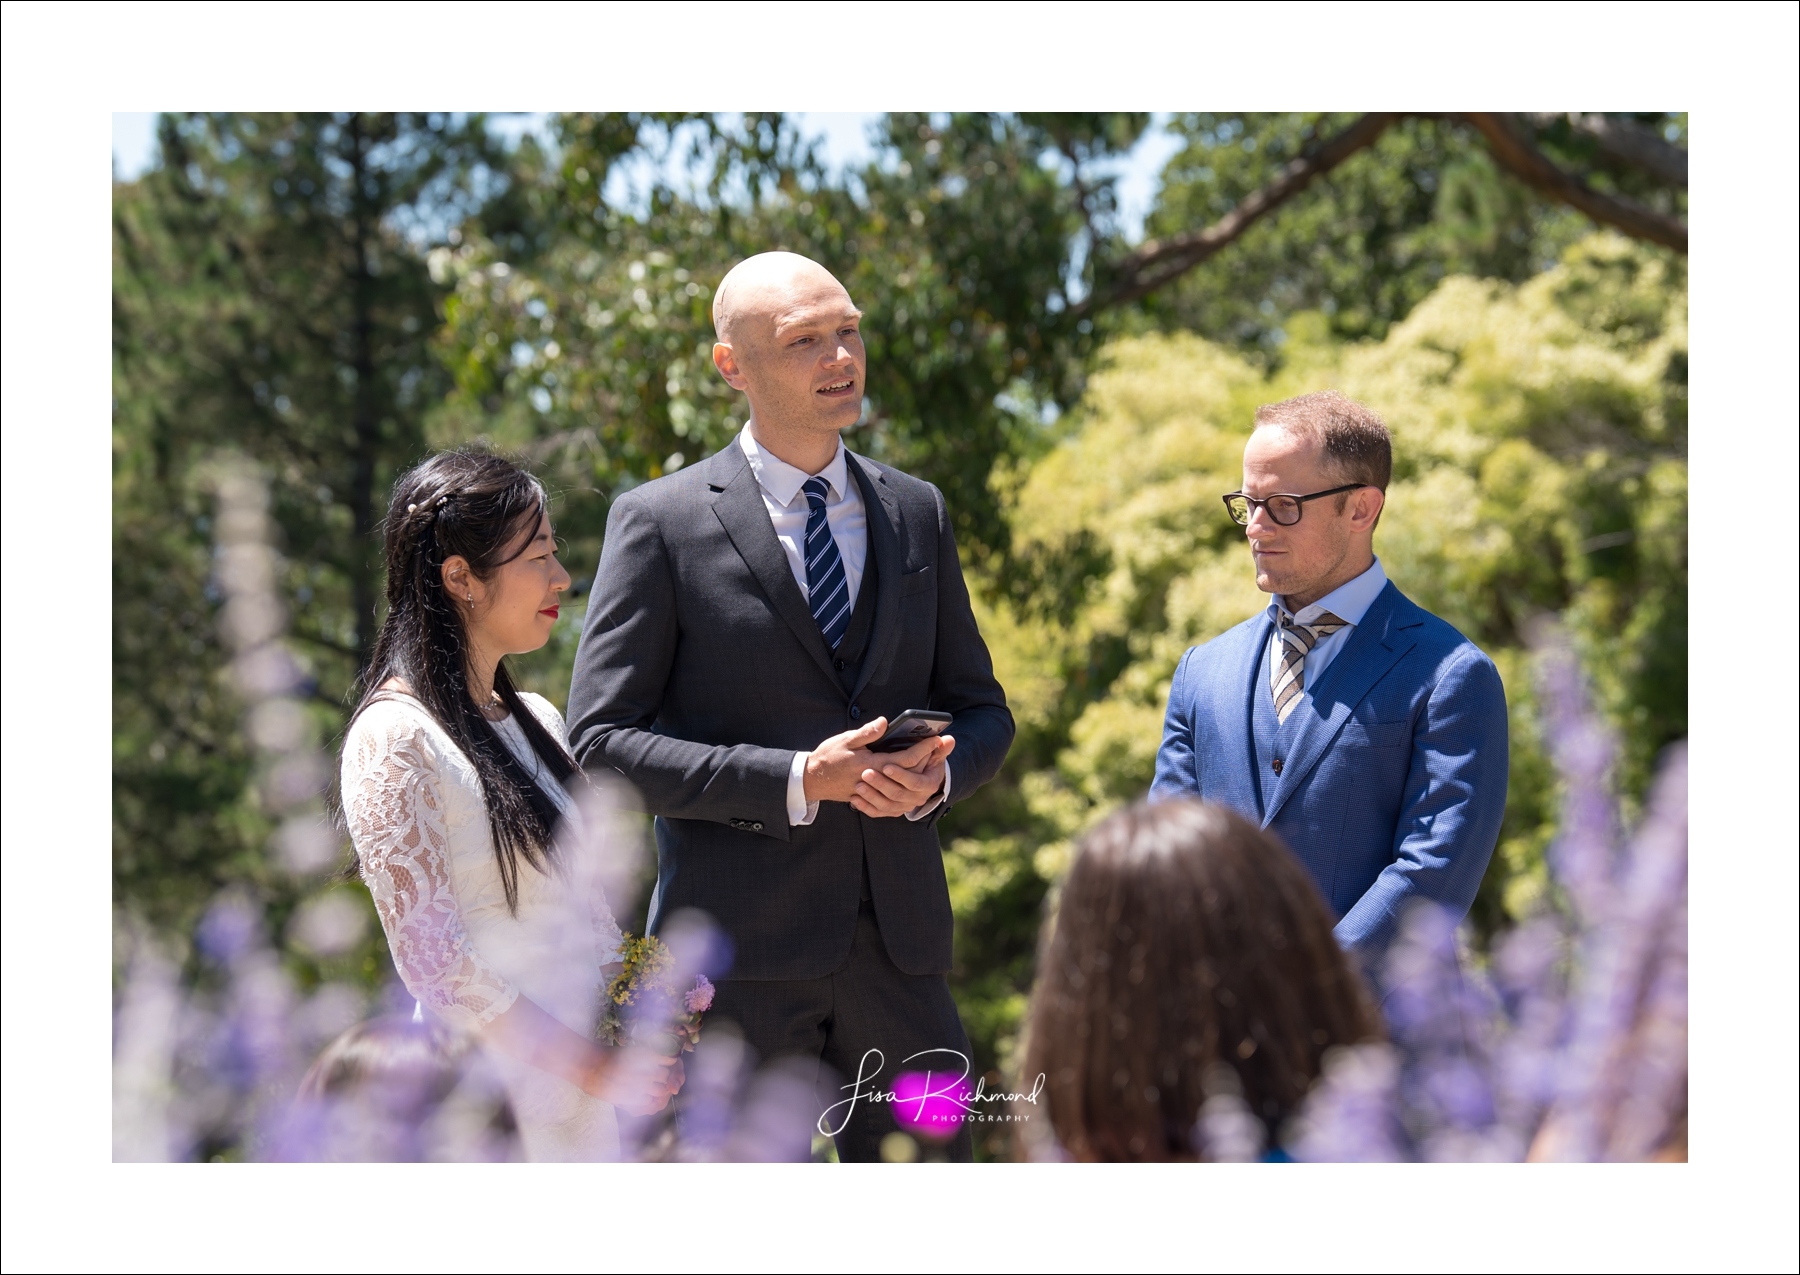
413, 1063
1191, 956
394, 1089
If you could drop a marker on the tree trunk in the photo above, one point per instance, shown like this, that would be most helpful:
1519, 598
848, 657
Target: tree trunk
365, 426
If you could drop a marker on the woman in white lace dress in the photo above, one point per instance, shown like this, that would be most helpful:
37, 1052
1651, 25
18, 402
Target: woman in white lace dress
453, 785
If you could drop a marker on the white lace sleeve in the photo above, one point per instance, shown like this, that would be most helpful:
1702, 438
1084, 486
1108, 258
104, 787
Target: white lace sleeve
395, 811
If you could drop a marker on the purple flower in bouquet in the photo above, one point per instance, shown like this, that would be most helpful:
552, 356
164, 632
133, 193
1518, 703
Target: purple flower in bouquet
643, 1001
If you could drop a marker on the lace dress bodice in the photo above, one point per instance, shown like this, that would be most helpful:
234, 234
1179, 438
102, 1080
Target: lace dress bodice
413, 804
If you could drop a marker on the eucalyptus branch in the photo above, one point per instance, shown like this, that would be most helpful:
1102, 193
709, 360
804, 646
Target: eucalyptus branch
1161, 260
1516, 152
1627, 142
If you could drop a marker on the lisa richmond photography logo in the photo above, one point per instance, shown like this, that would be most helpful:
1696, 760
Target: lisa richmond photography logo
936, 1101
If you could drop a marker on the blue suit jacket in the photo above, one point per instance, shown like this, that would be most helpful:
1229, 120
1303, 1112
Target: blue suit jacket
1395, 781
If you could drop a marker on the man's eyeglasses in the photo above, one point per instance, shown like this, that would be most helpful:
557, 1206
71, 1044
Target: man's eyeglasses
1284, 508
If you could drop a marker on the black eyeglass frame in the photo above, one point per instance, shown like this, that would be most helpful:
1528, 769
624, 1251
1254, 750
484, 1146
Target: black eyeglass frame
1251, 503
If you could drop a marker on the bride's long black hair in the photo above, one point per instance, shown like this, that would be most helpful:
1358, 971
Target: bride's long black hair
486, 509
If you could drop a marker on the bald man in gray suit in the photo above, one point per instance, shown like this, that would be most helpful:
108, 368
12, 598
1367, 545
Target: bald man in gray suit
757, 620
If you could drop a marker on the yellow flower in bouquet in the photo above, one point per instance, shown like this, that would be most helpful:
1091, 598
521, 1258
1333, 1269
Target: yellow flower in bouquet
642, 1005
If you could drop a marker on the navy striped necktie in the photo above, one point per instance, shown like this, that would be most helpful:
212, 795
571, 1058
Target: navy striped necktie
827, 587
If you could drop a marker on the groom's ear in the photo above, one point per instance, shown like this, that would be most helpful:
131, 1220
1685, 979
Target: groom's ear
725, 359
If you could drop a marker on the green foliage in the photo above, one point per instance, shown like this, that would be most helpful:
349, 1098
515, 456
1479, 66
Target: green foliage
1540, 436
269, 300
1373, 239
595, 353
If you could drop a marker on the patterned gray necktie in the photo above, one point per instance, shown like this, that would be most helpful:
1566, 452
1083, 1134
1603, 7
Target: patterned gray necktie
1296, 641
827, 587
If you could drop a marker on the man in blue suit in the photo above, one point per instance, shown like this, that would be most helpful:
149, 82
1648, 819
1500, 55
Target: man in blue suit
1364, 731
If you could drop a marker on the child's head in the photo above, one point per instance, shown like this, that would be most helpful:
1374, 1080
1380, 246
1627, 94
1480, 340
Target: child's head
394, 1089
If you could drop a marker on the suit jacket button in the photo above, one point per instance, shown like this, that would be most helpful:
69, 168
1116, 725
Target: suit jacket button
1277, 765
855, 711
756, 827
839, 664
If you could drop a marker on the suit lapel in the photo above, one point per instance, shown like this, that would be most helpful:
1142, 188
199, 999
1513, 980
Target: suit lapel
887, 545
741, 512
1375, 646
1245, 675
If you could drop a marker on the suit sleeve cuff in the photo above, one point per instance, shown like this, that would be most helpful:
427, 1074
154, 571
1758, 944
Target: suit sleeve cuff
800, 811
942, 799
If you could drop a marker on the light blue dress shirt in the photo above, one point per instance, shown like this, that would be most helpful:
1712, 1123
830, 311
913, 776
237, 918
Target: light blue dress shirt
1349, 602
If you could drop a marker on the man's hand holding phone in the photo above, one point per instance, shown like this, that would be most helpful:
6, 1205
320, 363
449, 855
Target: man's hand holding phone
881, 785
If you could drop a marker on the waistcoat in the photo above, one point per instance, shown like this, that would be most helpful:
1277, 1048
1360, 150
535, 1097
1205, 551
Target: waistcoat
1274, 740
854, 645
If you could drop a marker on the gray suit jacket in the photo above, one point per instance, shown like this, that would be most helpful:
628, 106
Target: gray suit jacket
701, 672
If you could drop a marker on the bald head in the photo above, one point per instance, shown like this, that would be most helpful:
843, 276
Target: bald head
759, 287
790, 338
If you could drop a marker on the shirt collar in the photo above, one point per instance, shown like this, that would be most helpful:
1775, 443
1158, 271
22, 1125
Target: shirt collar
782, 481
1349, 602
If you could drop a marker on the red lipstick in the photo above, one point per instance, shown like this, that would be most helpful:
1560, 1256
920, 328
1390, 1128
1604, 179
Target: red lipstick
552, 612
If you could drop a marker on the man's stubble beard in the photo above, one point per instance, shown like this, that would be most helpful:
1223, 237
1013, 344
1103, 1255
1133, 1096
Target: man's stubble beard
1316, 585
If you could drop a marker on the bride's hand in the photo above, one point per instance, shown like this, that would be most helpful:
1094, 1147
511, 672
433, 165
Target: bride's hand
636, 1082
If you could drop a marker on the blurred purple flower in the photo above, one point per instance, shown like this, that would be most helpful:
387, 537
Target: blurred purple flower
1572, 1044
1629, 1015
228, 928
1581, 856
1352, 1113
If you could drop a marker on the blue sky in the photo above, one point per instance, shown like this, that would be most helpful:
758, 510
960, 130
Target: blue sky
845, 138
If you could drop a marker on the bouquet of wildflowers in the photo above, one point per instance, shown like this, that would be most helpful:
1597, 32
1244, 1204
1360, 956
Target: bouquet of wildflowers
642, 1000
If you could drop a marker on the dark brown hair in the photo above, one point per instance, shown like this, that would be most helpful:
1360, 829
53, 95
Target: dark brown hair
388, 1079
486, 509
418, 1062
1353, 441
1186, 937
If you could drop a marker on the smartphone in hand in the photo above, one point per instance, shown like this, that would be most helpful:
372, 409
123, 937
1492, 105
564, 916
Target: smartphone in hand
909, 728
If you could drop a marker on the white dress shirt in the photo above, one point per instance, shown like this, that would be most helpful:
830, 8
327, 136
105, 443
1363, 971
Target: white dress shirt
789, 510
1349, 602
848, 519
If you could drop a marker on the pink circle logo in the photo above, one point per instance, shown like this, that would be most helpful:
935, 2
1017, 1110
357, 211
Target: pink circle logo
931, 1104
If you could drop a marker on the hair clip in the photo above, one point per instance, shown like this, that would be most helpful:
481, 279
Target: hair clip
412, 509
